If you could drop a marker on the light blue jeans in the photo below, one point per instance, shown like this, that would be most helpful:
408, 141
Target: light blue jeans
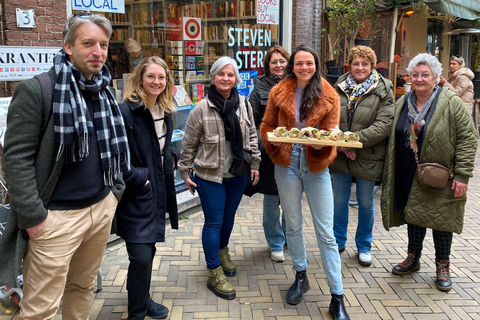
273, 229
292, 181
366, 214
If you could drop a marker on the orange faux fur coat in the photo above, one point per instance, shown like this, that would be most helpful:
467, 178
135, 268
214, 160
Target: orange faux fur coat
281, 112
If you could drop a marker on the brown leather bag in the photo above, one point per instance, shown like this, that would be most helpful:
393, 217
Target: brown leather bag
430, 174
433, 175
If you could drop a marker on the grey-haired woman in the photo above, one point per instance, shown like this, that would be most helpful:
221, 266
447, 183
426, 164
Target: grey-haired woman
445, 135
219, 130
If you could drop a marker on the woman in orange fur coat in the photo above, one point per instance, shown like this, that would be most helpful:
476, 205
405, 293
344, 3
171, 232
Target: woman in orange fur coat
304, 99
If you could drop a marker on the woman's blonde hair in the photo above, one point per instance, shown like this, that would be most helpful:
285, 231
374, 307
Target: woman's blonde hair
134, 91
362, 52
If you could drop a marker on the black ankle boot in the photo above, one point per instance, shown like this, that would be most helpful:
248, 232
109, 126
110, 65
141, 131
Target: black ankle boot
337, 308
444, 282
411, 263
298, 288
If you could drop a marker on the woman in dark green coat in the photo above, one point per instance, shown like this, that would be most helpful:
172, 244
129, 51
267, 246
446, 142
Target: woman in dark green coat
366, 108
445, 135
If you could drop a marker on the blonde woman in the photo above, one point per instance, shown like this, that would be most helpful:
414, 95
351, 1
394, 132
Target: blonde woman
150, 191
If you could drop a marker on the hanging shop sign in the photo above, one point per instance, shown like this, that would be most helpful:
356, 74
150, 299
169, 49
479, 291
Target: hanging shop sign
268, 11
116, 6
19, 63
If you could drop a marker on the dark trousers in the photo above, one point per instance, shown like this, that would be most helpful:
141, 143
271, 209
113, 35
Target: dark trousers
441, 239
139, 277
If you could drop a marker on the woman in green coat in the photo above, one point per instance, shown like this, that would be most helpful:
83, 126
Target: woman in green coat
445, 135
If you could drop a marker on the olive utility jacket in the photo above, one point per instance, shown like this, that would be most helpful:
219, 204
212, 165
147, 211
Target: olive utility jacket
450, 140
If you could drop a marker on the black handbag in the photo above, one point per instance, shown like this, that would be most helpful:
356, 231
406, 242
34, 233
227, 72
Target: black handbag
239, 167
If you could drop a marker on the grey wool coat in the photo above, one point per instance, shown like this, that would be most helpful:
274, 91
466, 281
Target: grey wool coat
31, 173
450, 140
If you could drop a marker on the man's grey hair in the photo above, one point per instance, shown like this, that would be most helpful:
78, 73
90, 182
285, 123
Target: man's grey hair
428, 60
220, 64
76, 20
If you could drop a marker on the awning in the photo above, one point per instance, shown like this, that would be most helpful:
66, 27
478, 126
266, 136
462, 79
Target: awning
466, 9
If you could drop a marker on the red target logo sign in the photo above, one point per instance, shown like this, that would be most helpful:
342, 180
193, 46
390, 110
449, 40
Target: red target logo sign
191, 29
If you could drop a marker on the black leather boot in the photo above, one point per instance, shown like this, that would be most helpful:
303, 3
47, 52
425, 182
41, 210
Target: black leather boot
444, 282
337, 308
298, 288
411, 263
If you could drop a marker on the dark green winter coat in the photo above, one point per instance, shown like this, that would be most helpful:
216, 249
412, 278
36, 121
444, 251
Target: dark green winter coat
372, 121
31, 173
450, 140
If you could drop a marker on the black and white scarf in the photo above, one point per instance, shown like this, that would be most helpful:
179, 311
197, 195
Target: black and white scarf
73, 124
355, 90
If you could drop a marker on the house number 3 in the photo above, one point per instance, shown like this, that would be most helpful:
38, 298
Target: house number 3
25, 18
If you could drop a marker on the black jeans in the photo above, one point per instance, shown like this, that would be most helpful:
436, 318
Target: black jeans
138, 278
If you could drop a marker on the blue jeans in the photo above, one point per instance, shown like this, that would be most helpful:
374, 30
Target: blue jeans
366, 215
274, 230
292, 181
219, 204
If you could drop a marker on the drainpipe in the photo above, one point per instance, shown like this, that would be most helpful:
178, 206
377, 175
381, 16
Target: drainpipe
5, 83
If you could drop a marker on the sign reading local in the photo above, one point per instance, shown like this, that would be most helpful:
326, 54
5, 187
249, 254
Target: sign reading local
19, 63
268, 11
116, 6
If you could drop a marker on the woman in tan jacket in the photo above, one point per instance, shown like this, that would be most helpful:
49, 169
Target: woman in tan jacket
460, 81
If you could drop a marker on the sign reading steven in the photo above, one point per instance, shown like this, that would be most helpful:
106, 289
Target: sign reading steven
116, 6
268, 11
250, 41
19, 63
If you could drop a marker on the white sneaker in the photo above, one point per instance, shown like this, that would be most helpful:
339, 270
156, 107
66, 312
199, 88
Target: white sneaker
365, 259
277, 256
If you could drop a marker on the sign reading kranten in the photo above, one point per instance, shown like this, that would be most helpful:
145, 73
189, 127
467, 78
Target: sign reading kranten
19, 63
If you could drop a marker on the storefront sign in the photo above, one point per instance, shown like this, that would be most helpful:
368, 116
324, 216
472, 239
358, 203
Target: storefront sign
249, 57
268, 11
117, 6
19, 63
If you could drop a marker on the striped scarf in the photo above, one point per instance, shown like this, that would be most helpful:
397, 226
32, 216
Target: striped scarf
73, 125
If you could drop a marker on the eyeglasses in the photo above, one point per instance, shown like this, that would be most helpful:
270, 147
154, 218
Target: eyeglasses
160, 78
82, 14
423, 75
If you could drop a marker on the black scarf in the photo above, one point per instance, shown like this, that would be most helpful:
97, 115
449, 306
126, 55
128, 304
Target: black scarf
227, 108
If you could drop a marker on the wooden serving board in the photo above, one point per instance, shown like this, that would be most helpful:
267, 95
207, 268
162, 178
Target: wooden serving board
273, 138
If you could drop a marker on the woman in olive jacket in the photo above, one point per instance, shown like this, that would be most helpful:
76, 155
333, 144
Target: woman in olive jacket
445, 135
366, 108
150, 187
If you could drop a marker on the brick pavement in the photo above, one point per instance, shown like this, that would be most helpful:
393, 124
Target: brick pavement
179, 276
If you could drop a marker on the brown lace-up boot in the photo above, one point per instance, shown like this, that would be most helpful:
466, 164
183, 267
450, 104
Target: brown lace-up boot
444, 283
411, 263
229, 268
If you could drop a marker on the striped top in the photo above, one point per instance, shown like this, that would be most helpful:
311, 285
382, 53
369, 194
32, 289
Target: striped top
158, 116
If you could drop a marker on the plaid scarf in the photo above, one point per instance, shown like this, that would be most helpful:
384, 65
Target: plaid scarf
73, 124
355, 91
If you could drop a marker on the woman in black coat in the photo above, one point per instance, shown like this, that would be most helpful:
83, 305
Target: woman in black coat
150, 191
274, 66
